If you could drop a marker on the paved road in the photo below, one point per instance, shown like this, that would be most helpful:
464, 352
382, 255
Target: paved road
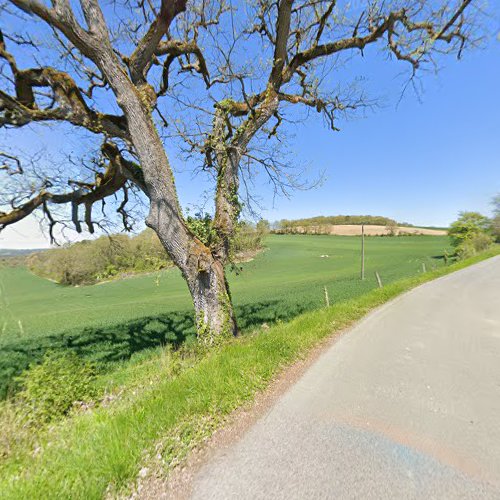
406, 405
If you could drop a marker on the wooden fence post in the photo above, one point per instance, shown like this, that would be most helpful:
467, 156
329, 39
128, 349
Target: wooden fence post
327, 299
379, 281
362, 251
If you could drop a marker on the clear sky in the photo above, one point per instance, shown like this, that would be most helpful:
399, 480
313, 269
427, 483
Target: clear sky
421, 161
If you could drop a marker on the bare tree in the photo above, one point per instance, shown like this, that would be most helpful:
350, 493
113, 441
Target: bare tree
215, 79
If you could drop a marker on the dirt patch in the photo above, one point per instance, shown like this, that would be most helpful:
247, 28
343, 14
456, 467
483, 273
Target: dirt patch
248, 255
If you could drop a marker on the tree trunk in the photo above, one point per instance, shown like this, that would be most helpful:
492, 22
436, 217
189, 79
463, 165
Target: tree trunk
205, 277
227, 204
215, 320
206, 281
203, 273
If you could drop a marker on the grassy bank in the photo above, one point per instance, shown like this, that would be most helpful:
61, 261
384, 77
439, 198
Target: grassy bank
103, 450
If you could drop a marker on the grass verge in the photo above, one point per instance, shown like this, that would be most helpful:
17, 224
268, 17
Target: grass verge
101, 452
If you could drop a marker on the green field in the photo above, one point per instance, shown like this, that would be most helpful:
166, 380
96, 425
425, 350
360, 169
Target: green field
112, 321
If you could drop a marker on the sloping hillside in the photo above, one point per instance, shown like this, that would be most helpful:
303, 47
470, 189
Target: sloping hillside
355, 229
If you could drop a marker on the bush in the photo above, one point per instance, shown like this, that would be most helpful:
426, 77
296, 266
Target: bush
49, 390
468, 226
88, 262
201, 224
465, 250
474, 244
495, 222
247, 237
470, 234
392, 229
495, 228
91, 261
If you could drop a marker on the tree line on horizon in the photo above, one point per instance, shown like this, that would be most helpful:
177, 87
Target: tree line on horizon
293, 226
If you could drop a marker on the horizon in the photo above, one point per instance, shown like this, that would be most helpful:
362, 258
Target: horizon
132, 233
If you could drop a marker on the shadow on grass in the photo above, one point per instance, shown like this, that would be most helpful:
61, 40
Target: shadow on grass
108, 344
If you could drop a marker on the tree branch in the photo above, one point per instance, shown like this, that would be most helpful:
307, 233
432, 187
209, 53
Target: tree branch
118, 171
61, 17
280, 48
147, 46
376, 32
23, 108
176, 48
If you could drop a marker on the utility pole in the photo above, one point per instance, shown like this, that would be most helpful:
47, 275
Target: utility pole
362, 251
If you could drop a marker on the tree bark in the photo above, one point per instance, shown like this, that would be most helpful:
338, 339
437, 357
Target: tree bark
215, 319
227, 204
204, 274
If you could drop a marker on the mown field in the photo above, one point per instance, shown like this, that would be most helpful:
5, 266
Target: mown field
112, 321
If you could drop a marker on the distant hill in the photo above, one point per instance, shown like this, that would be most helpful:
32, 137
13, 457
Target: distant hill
17, 252
323, 220
347, 225
355, 230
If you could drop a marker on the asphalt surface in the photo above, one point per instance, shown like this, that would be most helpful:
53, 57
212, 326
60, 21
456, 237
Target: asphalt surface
405, 405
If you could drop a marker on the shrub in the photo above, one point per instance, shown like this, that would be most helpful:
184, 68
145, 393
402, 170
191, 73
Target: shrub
465, 250
247, 236
482, 241
88, 262
476, 243
201, 224
392, 228
495, 228
495, 222
470, 234
49, 390
91, 261
467, 226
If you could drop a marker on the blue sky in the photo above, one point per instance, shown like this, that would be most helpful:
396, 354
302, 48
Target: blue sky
421, 161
